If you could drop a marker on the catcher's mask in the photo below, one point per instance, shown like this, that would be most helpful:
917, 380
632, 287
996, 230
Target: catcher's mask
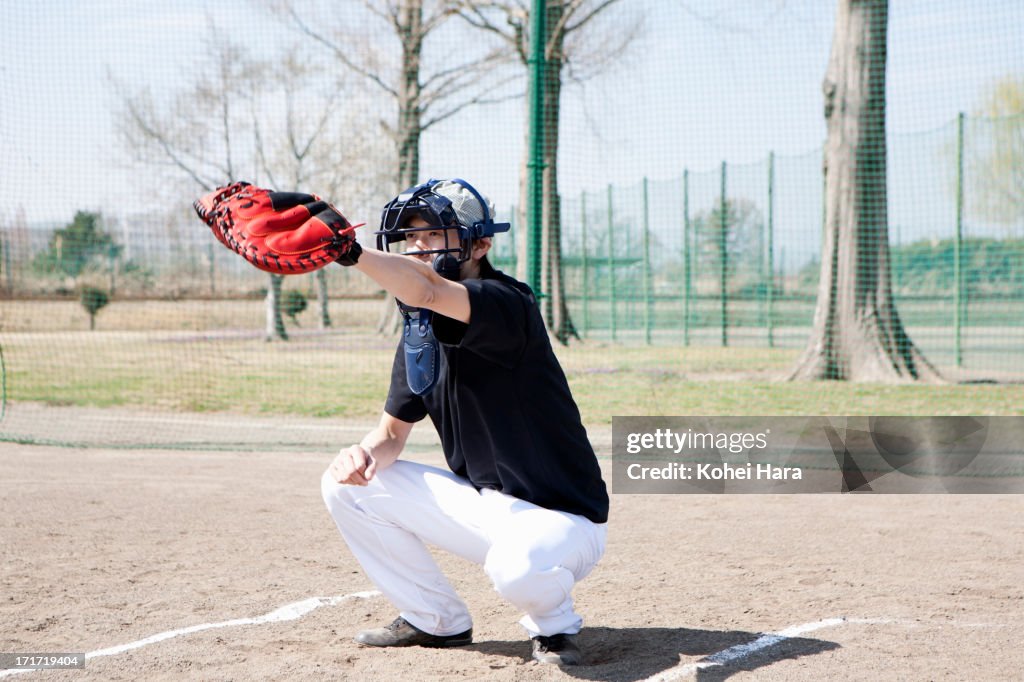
449, 204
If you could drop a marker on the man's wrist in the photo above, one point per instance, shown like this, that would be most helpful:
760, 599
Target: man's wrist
351, 257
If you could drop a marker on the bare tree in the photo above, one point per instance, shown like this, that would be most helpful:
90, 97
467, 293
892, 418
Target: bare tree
204, 135
302, 147
857, 333
423, 96
246, 119
578, 48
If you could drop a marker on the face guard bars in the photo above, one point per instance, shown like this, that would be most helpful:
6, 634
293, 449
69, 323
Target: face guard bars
437, 211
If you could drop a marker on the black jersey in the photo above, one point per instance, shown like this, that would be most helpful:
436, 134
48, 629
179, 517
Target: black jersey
502, 405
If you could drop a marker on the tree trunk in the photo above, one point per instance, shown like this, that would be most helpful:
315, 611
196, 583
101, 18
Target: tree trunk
553, 304
212, 271
322, 299
857, 334
522, 235
409, 127
552, 274
275, 322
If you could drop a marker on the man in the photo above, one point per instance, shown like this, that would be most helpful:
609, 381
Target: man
524, 497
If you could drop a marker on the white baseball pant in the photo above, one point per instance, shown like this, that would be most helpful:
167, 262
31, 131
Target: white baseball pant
534, 556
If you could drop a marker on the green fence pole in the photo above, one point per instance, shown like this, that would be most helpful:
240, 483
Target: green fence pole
687, 260
724, 261
586, 272
511, 241
648, 312
958, 280
769, 298
538, 40
611, 264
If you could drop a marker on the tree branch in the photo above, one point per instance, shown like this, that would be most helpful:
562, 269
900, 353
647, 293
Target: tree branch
463, 75
480, 98
445, 11
555, 35
342, 57
593, 13
260, 148
164, 145
479, 20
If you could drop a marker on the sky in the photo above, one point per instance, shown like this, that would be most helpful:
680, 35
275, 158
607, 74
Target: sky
705, 82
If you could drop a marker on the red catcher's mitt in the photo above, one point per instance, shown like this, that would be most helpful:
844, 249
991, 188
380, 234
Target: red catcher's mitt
286, 233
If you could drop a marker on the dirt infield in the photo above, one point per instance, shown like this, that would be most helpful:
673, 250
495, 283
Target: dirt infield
102, 548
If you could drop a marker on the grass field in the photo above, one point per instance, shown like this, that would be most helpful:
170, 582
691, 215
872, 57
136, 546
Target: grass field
161, 315
345, 374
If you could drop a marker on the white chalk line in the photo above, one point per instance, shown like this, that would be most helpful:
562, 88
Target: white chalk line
741, 651
298, 609
292, 611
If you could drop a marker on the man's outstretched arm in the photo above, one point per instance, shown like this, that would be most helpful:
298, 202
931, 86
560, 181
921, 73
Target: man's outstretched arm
415, 283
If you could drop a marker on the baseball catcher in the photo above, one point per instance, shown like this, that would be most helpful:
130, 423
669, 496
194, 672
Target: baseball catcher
523, 494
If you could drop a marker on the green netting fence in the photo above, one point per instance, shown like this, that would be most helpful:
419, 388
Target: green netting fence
690, 251
728, 256
731, 256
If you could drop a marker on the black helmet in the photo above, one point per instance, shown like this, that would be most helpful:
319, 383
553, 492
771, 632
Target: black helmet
449, 204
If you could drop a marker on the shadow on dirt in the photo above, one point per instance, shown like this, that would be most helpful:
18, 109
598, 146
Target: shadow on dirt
632, 654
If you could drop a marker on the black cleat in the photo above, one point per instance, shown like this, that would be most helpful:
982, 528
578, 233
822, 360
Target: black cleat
558, 649
403, 633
